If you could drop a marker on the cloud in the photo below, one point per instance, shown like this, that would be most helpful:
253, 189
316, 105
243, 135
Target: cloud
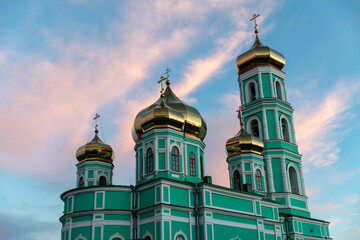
323, 208
318, 124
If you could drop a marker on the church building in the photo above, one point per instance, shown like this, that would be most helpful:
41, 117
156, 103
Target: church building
173, 198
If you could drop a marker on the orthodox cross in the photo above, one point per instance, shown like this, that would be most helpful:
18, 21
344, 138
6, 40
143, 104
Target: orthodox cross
97, 122
241, 116
162, 79
254, 18
167, 73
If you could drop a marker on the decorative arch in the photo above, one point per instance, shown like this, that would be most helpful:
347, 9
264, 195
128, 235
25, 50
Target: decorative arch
251, 93
285, 128
175, 159
81, 182
147, 235
263, 178
250, 126
102, 180
180, 234
294, 178
80, 237
236, 179
192, 163
149, 160
116, 235
279, 89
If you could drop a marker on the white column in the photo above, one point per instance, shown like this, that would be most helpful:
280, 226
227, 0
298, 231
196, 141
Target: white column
156, 158
285, 94
167, 149
265, 125
283, 173
270, 174
242, 91
293, 129
271, 85
277, 124
185, 160
243, 173
199, 164
302, 180
230, 177
260, 86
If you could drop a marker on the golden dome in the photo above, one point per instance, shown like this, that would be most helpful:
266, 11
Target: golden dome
95, 150
243, 142
259, 55
170, 112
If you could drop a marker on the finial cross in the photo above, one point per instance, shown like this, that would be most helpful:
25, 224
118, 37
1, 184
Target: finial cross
254, 18
241, 116
97, 122
167, 73
162, 79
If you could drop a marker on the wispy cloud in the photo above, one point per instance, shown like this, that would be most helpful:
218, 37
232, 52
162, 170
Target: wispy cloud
318, 124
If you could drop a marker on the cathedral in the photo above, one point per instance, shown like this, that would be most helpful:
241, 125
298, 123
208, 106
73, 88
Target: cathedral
173, 198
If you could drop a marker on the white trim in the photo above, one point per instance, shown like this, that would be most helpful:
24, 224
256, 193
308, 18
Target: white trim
277, 80
103, 199
116, 235
153, 158
147, 234
81, 237
249, 128
297, 177
181, 233
260, 85
247, 90
285, 117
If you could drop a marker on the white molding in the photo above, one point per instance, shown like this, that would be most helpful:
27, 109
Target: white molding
81, 237
285, 117
249, 128
116, 235
298, 177
262, 69
103, 199
181, 233
247, 90
147, 234
281, 89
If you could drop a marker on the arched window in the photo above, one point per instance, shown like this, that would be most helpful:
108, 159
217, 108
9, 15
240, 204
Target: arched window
279, 94
293, 181
81, 182
149, 161
237, 182
285, 130
259, 185
255, 128
175, 159
102, 181
192, 164
252, 92
179, 237
201, 167
147, 238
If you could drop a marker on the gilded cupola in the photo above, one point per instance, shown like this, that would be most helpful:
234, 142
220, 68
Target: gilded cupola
243, 142
95, 149
169, 112
259, 55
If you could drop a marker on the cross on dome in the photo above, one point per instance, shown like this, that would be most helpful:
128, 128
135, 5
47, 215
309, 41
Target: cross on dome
97, 122
254, 18
241, 116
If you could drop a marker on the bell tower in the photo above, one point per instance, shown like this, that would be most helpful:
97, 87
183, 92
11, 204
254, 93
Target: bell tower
268, 115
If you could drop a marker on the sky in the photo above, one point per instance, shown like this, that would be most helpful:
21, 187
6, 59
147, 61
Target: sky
63, 61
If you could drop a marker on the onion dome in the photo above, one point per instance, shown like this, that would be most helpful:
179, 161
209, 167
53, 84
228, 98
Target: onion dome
169, 112
95, 149
259, 55
243, 142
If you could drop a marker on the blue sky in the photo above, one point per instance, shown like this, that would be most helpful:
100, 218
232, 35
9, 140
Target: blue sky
61, 62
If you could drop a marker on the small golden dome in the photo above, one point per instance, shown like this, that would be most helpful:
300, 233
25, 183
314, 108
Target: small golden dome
170, 112
95, 150
259, 55
243, 142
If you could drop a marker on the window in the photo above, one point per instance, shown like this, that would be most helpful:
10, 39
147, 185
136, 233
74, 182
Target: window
255, 128
81, 182
201, 167
175, 159
252, 92
278, 90
149, 161
285, 130
102, 181
237, 182
192, 164
179, 237
147, 238
259, 185
293, 181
